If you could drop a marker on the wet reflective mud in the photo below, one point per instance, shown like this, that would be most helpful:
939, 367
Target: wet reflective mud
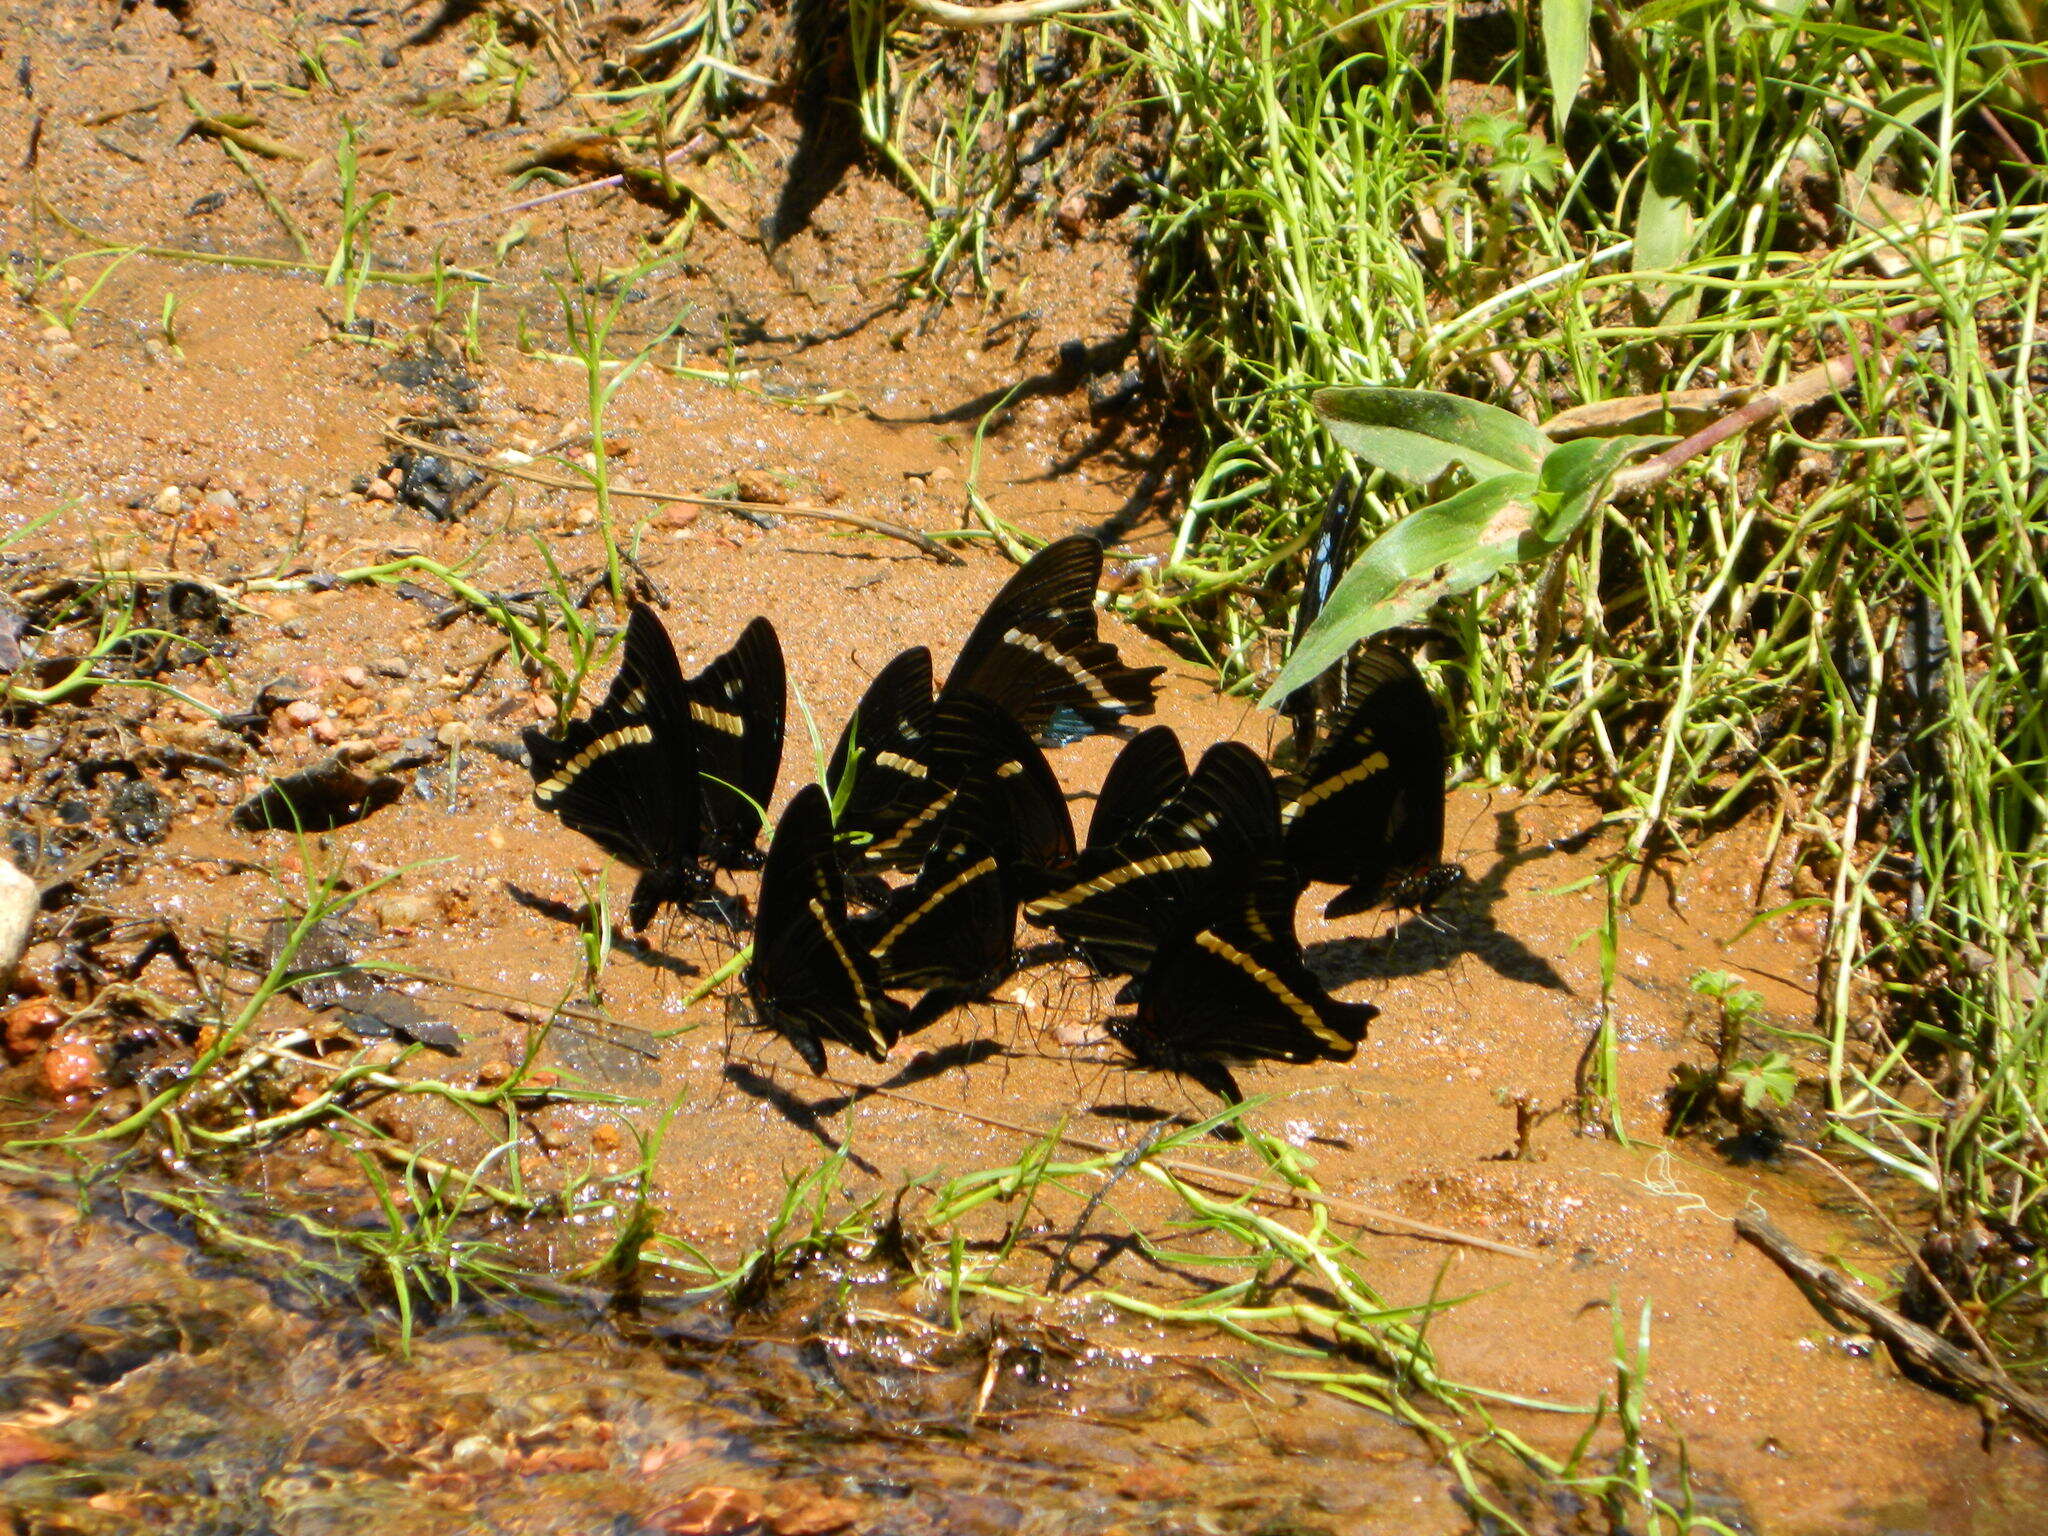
142, 1385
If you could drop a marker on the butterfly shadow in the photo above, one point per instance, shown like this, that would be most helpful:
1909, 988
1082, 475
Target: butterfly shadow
573, 917
793, 1108
1118, 1091
1463, 924
1074, 364
922, 1067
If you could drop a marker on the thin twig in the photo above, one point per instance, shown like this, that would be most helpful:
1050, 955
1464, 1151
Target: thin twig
1798, 392
890, 530
1258, 1189
1004, 14
1912, 1253
103, 242
1908, 1339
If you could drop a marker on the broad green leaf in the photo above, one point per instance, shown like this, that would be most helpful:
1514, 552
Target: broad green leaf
1665, 222
1417, 434
1447, 547
1567, 44
1575, 478
1891, 118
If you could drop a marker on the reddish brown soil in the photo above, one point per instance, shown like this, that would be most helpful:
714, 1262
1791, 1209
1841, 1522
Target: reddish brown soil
1804, 1428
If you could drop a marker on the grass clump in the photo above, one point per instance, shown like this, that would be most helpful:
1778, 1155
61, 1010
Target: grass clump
1829, 616
1808, 240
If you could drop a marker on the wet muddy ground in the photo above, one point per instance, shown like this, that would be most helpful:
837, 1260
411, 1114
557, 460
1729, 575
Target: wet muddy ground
218, 433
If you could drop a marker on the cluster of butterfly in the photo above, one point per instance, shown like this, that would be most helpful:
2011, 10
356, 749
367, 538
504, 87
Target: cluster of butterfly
1187, 882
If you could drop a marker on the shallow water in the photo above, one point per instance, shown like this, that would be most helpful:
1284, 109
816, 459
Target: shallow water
141, 1384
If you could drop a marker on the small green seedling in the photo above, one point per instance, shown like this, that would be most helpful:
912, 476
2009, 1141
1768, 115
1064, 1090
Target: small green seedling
1735, 1087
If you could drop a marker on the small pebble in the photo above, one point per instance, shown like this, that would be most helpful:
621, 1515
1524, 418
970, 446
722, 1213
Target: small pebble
355, 677
326, 732
381, 490
302, 713
453, 734
29, 1024
55, 332
408, 911
170, 500
72, 1065
759, 485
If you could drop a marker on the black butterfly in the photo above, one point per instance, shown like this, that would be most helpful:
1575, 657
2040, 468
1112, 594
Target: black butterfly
961, 739
1164, 864
811, 980
1037, 653
636, 776
952, 931
738, 705
1147, 772
625, 776
1367, 809
886, 743
978, 745
1235, 989
1034, 654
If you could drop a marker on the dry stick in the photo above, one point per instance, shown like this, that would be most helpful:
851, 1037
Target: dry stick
1006, 13
1798, 392
629, 1037
556, 196
1912, 1253
206, 123
1906, 1338
1259, 1189
251, 263
613, 1032
255, 143
278, 211
931, 547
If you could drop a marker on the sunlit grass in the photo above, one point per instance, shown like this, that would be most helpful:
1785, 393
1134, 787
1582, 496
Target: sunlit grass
1830, 621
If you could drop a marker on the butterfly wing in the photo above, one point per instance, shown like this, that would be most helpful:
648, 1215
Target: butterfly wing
1325, 564
738, 706
887, 742
625, 776
954, 927
1036, 651
1237, 989
976, 742
810, 979
1369, 804
1117, 903
1147, 773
